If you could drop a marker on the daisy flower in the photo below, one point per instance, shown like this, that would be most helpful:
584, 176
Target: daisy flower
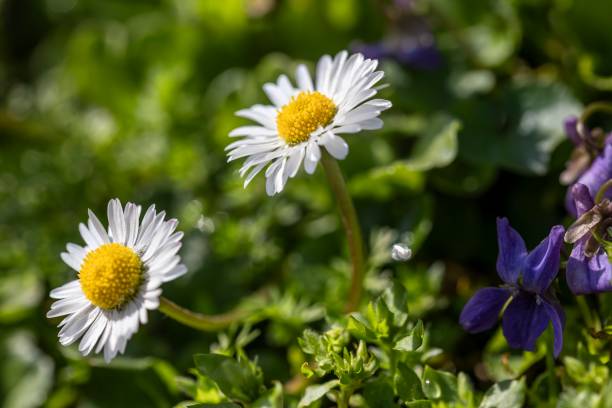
120, 271
305, 118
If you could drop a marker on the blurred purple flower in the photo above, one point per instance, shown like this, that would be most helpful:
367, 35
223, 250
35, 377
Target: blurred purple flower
532, 306
570, 124
598, 173
587, 274
409, 41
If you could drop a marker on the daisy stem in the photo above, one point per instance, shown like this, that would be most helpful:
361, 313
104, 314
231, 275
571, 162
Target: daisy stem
351, 227
196, 320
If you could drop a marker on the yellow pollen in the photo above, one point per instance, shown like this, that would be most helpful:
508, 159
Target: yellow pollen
111, 275
304, 114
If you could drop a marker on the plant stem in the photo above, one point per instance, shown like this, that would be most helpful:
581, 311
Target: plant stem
602, 191
199, 321
584, 310
550, 366
351, 227
593, 108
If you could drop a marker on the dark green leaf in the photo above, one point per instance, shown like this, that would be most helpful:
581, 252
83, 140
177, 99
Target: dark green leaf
505, 394
316, 392
407, 383
438, 146
234, 378
412, 341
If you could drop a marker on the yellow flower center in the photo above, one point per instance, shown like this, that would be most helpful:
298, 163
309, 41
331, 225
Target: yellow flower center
111, 275
304, 114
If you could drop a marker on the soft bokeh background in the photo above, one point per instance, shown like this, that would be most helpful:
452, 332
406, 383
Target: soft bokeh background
134, 99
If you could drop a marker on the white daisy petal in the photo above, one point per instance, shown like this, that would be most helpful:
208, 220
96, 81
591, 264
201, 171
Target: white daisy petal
71, 261
350, 128
303, 78
252, 131
312, 157
323, 72
144, 255
336, 72
295, 159
67, 306
264, 115
175, 272
276, 95
253, 173
69, 289
89, 238
285, 86
132, 217
371, 124
96, 228
116, 221
335, 145
92, 335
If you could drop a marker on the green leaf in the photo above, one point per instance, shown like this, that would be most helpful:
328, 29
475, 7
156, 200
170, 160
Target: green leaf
520, 128
359, 327
235, 379
407, 383
505, 394
27, 373
379, 394
19, 293
439, 385
419, 404
396, 299
575, 368
273, 398
413, 341
438, 146
385, 181
489, 30
316, 392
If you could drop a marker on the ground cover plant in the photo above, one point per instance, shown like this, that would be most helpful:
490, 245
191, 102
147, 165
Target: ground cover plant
309, 203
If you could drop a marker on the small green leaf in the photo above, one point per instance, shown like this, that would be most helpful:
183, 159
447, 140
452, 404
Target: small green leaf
273, 398
396, 299
359, 327
236, 379
440, 385
316, 392
438, 146
412, 341
419, 404
575, 368
407, 383
379, 393
505, 394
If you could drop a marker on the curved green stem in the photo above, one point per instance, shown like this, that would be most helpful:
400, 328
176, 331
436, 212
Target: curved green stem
594, 108
584, 310
351, 227
602, 191
199, 321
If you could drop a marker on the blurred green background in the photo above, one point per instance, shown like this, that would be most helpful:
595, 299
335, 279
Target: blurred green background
134, 99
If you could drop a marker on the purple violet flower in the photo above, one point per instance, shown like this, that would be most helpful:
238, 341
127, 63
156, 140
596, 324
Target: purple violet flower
587, 274
527, 278
591, 161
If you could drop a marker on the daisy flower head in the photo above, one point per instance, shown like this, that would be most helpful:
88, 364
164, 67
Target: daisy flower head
306, 117
120, 273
